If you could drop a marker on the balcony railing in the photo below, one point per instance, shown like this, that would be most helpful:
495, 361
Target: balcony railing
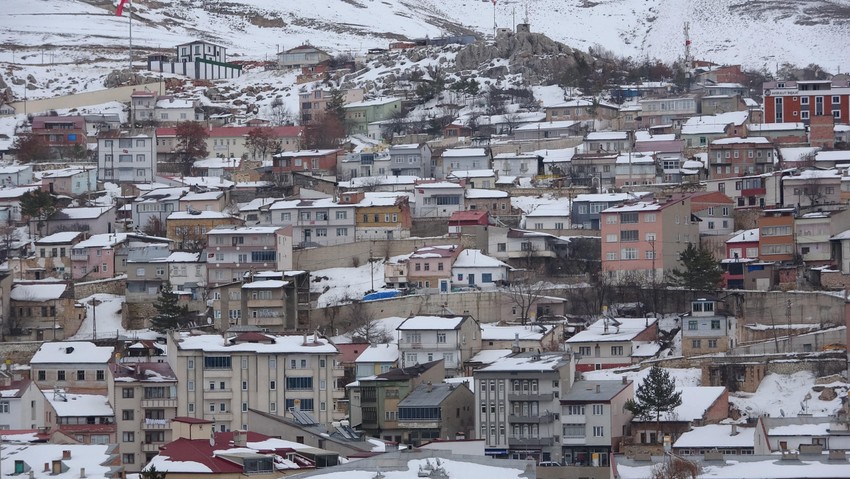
530, 441
530, 396
159, 403
155, 424
544, 419
151, 446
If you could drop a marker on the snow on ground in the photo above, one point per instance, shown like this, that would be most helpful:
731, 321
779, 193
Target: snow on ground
544, 202
340, 285
108, 316
683, 377
786, 395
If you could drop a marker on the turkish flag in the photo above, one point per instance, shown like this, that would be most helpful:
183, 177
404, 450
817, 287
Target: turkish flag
120, 9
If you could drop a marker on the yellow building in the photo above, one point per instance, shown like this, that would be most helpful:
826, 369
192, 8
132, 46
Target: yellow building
188, 229
380, 215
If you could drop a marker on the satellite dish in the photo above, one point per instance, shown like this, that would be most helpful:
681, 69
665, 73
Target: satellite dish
209, 320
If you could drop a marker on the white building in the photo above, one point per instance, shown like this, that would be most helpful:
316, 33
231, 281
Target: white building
438, 199
472, 268
464, 159
125, 157
320, 222
455, 339
21, 403
526, 165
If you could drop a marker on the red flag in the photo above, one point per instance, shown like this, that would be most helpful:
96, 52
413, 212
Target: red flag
120, 9
494, 2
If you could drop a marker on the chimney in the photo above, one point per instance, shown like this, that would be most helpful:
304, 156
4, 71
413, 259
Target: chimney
515, 347
240, 438
598, 389
66, 454
734, 430
430, 386
82, 473
625, 380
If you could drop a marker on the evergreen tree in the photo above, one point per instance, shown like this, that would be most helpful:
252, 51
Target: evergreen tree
169, 314
191, 143
336, 105
37, 205
657, 394
701, 271
152, 473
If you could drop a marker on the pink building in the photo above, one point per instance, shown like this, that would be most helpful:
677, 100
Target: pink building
104, 255
430, 267
642, 240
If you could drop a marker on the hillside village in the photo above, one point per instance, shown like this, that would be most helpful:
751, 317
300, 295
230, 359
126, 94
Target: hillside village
441, 256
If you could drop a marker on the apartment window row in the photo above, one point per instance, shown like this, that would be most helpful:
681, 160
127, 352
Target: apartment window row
61, 375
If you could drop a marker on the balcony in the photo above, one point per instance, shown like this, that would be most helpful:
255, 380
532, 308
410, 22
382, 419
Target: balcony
530, 396
218, 416
544, 419
151, 446
530, 441
218, 393
159, 403
155, 424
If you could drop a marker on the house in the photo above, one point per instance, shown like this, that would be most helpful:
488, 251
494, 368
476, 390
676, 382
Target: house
776, 234
76, 181
491, 201
375, 399
53, 254
6, 109
801, 100
721, 102
233, 251
594, 170
199, 60
286, 163
301, 56
611, 342
213, 200
61, 131
376, 359
430, 267
151, 108
71, 365
524, 165
149, 268
751, 191
152, 208
594, 421
812, 187
189, 229
645, 238
22, 403
437, 199
364, 164
784, 434
632, 169
741, 249
547, 130
607, 141
104, 256
727, 439
225, 375
380, 215
472, 268
313, 103
706, 330
484, 179
84, 418
127, 156
700, 131
585, 208
433, 411
523, 248
521, 338
511, 391
784, 133
733, 157
144, 395
221, 455
714, 209
15, 175
557, 162
813, 231
264, 300
359, 114
380, 183
701, 405
577, 109
463, 159
319, 222
44, 311
553, 217
94, 219
231, 141
423, 339
666, 110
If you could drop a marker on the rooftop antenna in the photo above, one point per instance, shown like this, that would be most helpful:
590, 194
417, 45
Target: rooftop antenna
688, 60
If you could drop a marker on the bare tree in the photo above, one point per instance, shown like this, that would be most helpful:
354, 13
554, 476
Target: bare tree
676, 468
8, 235
512, 121
279, 114
363, 325
524, 290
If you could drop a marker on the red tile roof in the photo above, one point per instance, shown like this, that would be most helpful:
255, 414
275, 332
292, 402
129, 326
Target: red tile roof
200, 451
469, 217
349, 352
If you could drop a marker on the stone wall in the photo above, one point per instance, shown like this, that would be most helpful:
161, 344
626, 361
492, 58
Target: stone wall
117, 285
137, 315
19, 352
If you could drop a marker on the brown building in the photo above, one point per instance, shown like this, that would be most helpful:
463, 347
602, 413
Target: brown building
44, 311
734, 157
776, 234
701, 405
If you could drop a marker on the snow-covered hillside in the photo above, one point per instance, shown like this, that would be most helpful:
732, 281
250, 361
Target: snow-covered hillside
755, 33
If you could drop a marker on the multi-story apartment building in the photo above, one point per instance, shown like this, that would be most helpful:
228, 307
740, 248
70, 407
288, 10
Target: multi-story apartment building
144, 397
317, 162
66, 131
594, 421
463, 159
812, 188
734, 157
664, 111
126, 156
375, 399
151, 208
455, 339
644, 238
364, 164
105, 255
149, 268
776, 234
232, 251
434, 411
22, 403
517, 403
801, 100
271, 300
380, 216
85, 418
313, 103
527, 165
430, 267
495, 202
595, 170
412, 159
71, 365
706, 331
221, 376
613, 342
585, 209
753, 191
54, 252
231, 141
359, 114
814, 231
321, 222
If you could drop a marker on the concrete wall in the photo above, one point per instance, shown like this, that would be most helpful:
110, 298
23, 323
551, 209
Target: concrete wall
77, 100
797, 343
351, 254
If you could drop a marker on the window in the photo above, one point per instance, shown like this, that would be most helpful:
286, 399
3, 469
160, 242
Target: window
696, 343
441, 337
598, 409
127, 414
712, 343
616, 350
501, 247
341, 215
191, 407
575, 410
128, 458
629, 253
81, 375
715, 324
341, 231
128, 436
692, 326
244, 385
217, 362
573, 430
126, 393
611, 238
598, 431
190, 385
629, 235
191, 363
305, 383
60, 376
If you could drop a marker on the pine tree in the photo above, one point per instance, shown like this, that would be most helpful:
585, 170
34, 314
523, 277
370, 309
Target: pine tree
169, 314
152, 473
701, 271
336, 105
656, 395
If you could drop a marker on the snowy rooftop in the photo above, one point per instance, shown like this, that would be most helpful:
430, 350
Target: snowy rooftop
528, 362
374, 102
431, 323
714, 123
750, 467
610, 197
37, 291
635, 158
198, 215
478, 193
607, 135
745, 236
561, 155
813, 174
474, 258
464, 174
637, 206
247, 230
437, 251
104, 240
695, 402
94, 458
487, 356
769, 127
379, 353
279, 344
796, 154
462, 152
83, 213
493, 332
626, 331
63, 237
716, 435
758, 140
74, 405
362, 181
266, 284
72, 352
546, 125
834, 155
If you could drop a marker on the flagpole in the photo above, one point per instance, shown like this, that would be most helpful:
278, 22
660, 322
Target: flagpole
130, 14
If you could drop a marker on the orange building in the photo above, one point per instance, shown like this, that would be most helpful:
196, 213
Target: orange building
776, 234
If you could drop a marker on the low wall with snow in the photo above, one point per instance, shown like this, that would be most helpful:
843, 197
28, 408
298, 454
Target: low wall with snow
117, 285
355, 254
